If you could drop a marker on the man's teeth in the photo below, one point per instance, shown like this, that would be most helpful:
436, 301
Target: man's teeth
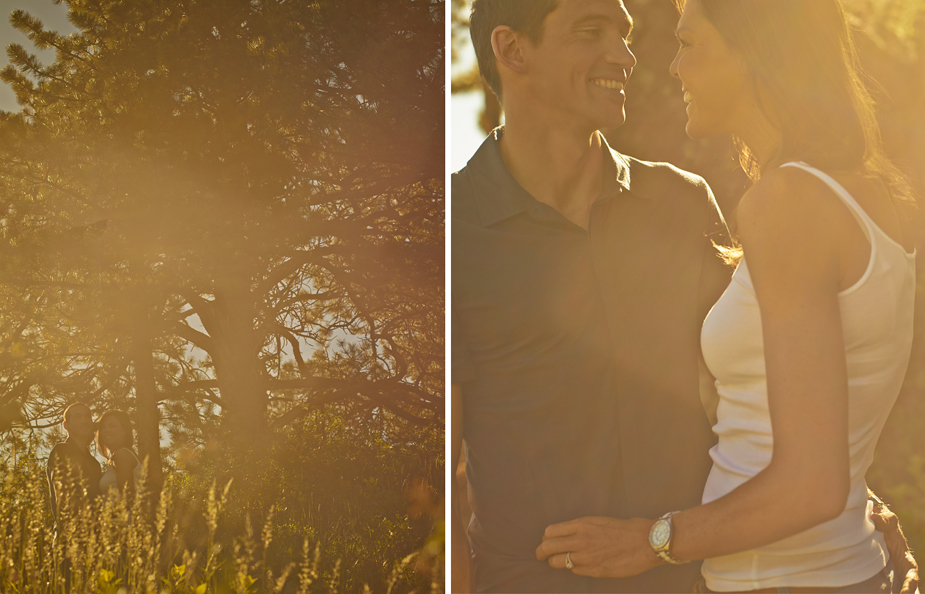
607, 84
687, 97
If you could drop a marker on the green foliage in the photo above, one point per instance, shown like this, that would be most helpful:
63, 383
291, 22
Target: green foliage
894, 21
898, 472
361, 487
907, 500
200, 537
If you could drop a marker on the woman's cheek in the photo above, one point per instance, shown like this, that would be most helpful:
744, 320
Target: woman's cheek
683, 68
688, 66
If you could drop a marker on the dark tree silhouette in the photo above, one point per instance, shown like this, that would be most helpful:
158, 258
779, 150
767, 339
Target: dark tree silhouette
225, 209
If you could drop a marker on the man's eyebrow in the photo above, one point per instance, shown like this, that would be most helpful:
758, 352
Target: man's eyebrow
625, 24
592, 18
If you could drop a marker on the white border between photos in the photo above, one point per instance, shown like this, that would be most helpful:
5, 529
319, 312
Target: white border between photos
450, 465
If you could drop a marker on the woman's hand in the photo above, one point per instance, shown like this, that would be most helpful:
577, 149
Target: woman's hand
600, 547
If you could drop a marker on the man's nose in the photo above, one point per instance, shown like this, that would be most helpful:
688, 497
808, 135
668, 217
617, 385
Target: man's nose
621, 54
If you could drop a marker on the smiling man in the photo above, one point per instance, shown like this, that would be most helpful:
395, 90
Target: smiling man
581, 277
73, 473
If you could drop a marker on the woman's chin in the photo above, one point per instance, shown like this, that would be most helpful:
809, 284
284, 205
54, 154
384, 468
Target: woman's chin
693, 132
698, 132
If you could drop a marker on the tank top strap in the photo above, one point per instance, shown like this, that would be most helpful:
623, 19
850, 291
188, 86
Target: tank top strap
132, 452
867, 224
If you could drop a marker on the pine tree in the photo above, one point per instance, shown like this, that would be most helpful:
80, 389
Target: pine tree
225, 208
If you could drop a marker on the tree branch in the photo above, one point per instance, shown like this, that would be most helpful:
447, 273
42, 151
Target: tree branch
197, 338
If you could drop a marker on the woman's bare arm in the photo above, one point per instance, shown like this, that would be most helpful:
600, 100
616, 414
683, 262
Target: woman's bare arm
793, 249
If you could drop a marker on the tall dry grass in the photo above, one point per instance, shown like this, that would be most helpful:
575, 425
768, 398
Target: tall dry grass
151, 545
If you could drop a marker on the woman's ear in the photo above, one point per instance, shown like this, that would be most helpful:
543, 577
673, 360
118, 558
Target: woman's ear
507, 45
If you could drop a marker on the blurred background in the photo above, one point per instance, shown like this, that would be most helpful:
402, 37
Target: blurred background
891, 43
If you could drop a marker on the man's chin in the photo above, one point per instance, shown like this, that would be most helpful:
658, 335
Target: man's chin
85, 439
612, 121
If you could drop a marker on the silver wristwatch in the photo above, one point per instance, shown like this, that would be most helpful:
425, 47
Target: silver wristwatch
660, 539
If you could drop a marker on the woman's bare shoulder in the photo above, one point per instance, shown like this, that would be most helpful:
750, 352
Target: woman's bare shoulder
791, 227
125, 456
787, 191
790, 205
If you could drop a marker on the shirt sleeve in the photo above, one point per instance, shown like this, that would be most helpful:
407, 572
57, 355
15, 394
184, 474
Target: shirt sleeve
461, 368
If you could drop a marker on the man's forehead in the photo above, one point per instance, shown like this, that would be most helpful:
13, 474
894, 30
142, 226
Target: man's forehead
580, 9
78, 410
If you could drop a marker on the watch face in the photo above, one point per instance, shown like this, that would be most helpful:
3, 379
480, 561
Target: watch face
659, 534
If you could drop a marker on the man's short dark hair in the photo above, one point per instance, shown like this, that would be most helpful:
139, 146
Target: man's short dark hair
67, 411
523, 16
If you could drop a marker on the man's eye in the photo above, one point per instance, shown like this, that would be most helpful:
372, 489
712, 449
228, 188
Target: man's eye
591, 31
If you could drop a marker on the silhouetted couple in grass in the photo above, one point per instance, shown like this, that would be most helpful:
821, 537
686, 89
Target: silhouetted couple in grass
75, 477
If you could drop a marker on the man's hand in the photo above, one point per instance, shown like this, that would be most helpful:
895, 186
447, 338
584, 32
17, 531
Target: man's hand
599, 547
905, 569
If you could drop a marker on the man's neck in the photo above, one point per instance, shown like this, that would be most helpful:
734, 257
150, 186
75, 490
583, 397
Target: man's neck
558, 166
83, 444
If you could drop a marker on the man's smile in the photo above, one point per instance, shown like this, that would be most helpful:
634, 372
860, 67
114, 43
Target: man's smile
608, 83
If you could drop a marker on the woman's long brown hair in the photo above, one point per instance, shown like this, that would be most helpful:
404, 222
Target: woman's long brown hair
806, 72
124, 420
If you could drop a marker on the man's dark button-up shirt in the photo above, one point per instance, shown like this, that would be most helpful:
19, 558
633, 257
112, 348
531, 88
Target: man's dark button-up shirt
577, 351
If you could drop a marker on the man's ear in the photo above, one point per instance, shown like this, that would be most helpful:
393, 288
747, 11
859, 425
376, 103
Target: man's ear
506, 44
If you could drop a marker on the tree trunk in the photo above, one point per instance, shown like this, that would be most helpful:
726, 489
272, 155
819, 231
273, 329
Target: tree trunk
148, 414
238, 368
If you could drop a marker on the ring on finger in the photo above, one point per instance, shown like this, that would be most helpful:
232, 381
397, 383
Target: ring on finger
568, 560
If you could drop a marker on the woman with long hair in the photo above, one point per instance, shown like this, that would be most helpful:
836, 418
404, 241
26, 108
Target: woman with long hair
810, 343
114, 441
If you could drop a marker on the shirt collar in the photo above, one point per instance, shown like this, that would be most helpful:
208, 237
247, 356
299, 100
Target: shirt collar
498, 196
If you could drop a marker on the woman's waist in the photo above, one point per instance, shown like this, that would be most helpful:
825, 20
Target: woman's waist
745, 447
881, 581
814, 558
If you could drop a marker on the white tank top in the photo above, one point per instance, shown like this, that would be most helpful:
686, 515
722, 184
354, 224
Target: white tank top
109, 481
876, 317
